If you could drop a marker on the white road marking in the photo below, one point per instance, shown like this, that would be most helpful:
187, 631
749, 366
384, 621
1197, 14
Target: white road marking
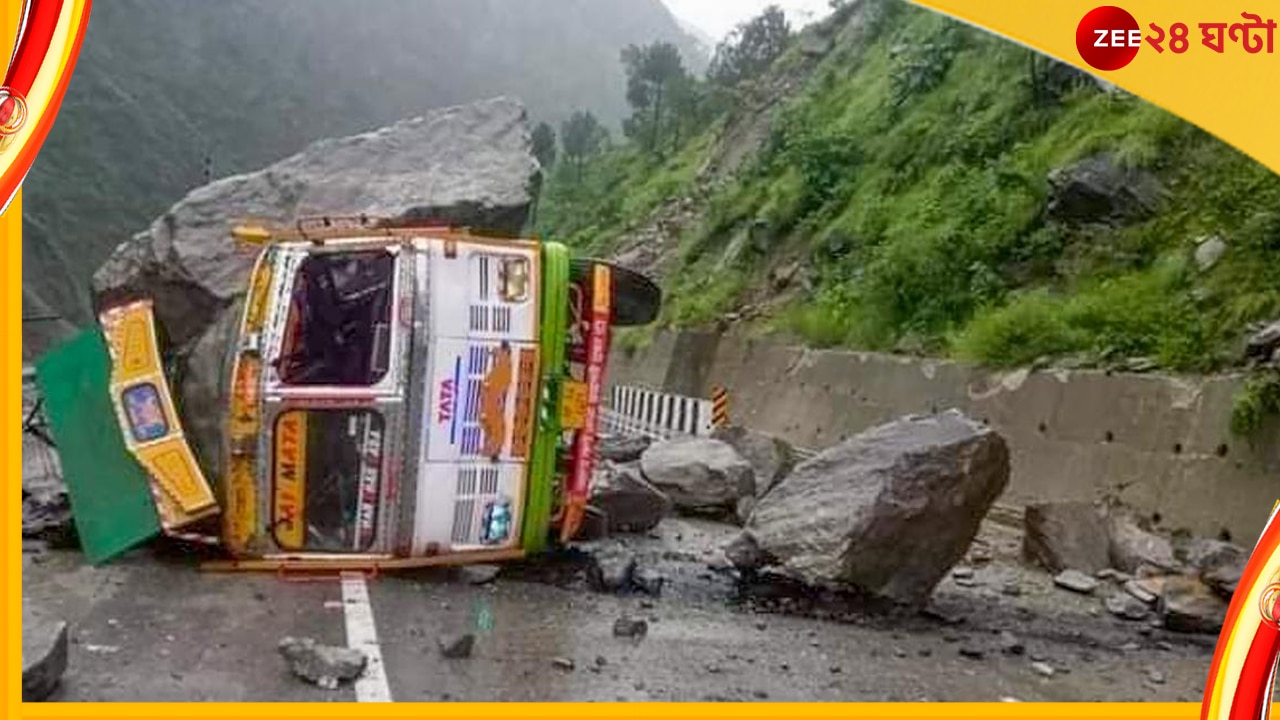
362, 634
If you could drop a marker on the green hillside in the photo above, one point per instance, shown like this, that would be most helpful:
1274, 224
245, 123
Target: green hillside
901, 203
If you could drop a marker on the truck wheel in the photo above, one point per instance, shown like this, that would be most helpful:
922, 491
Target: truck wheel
636, 298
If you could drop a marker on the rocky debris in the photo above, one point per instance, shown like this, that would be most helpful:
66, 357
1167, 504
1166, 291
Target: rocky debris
888, 512
771, 458
323, 665
648, 581
700, 475
629, 502
46, 515
611, 570
1140, 592
1066, 535
44, 653
1209, 251
1113, 574
744, 508
1186, 605
456, 646
1132, 545
1075, 581
1263, 341
972, 652
479, 574
622, 448
1099, 189
1043, 669
563, 663
470, 165
626, 627
1224, 578
1126, 606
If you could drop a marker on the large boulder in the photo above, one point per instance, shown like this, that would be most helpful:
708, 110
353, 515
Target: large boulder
700, 475
630, 503
1099, 190
1066, 536
622, 448
468, 165
887, 512
771, 458
1186, 605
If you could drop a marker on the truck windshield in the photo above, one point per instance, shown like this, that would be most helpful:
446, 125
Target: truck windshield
338, 331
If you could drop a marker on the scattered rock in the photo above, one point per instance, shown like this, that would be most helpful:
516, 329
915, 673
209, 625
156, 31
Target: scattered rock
1126, 606
1011, 588
700, 475
1186, 605
46, 514
630, 628
745, 552
628, 501
888, 512
1133, 546
322, 665
1113, 574
456, 646
622, 448
469, 165
1155, 677
971, 652
1209, 251
479, 574
771, 458
1075, 581
44, 653
1099, 189
611, 570
1010, 644
962, 572
563, 663
1043, 669
648, 581
1061, 536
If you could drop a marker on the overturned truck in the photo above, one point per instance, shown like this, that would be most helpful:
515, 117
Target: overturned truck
398, 396
382, 388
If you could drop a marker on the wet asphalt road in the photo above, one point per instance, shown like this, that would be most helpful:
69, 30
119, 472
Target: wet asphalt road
153, 628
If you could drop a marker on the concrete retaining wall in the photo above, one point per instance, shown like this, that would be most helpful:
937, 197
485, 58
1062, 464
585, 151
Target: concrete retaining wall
1161, 444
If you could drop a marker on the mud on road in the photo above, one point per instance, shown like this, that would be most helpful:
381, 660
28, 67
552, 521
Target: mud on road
152, 627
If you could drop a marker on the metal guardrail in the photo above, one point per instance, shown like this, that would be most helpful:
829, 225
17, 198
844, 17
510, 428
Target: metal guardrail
636, 410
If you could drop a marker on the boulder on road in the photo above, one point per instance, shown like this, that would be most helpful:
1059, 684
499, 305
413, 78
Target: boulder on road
629, 502
468, 165
771, 458
887, 512
1186, 605
322, 665
700, 475
44, 653
1066, 535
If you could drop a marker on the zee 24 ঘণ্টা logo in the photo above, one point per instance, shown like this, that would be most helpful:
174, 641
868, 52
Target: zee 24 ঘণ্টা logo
1242, 678
1109, 37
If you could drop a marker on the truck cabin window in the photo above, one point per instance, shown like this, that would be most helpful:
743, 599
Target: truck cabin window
327, 476
339, 327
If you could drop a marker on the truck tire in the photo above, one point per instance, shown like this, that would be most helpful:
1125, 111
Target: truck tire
636, 298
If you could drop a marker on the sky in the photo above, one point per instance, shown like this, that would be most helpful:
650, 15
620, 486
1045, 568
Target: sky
717, 17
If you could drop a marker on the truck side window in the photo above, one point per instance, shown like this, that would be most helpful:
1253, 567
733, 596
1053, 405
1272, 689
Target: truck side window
339, 326
327, 472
